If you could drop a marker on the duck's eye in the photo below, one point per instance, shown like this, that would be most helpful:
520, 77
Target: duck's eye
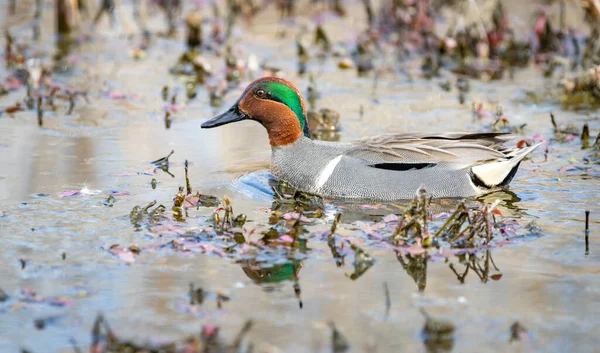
260, 93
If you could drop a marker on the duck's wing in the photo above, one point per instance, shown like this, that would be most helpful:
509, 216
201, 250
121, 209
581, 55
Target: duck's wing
452, 149
482, 155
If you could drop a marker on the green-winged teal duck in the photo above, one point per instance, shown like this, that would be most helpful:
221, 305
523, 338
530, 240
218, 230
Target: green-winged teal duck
387, 167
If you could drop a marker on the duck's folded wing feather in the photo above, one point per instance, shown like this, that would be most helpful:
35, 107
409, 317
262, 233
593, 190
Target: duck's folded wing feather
449, 148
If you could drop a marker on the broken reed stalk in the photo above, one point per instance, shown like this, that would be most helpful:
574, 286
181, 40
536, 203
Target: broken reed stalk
339, 259
336, 220
168, 120
194, 30
71, 103
165, 93
585, 137
188, 187
459, 210
587, 232
296, 229
64, 17
40, 112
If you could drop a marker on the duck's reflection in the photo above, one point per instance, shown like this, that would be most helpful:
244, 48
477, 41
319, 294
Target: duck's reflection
508, 205
268, 276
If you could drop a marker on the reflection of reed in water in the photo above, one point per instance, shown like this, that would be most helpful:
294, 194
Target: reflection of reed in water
416, 267
481, 264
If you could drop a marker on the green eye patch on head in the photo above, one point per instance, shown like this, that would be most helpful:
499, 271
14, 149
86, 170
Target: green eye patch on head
282, 93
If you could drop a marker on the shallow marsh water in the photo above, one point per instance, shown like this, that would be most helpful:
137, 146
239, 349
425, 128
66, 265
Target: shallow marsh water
546, 283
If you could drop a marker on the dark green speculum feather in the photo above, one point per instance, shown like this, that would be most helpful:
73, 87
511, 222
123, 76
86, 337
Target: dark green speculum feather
282, 93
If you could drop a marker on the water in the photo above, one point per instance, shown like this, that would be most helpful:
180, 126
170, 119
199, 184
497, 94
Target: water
546, 283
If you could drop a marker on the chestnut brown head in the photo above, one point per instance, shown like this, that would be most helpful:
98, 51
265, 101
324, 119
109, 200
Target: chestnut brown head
276, 104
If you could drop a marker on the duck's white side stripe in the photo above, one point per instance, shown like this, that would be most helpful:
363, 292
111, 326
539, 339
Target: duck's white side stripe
327, 171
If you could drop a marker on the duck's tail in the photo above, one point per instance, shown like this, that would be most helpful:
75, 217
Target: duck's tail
499, 173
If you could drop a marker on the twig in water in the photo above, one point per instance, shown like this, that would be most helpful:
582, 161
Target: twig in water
163, 161
587, 232
188, 187
40, 112
388, 301
553, 121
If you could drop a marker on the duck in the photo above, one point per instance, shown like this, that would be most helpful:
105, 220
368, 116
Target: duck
381, 168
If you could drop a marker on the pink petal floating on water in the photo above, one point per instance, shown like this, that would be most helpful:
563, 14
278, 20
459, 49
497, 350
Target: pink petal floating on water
13, 83
190, 201
167, 228
390, 218
58, 301
244, 248
123, 254
209, 330
285, 239
539, 138
293, 216
211, 248
540, 24
567, 168
125, 174
120, 193
69, 193
440, 215
353, 240
173, 107
116, 95
413, 250
371, 207
375, 235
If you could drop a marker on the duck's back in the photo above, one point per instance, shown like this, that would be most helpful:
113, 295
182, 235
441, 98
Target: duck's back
324, 168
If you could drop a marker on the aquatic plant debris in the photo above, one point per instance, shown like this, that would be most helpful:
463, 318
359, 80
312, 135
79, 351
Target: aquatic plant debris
104, 340
438, 334
163, 163
339, 342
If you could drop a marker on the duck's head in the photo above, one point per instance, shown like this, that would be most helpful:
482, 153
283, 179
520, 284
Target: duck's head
276, 104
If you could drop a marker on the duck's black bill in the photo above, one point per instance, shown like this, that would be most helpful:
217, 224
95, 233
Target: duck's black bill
231, 116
